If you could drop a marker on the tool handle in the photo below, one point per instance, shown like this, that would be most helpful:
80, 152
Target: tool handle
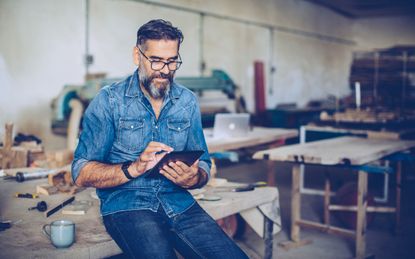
24, 176
244, 188
45, 231
60, 206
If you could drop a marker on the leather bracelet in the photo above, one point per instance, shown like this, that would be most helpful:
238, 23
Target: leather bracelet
201, 181
124, 168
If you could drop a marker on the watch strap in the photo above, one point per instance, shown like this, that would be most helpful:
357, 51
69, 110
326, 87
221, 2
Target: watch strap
124, 168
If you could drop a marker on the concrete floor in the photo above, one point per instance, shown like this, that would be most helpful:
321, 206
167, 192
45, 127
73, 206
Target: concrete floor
381, 240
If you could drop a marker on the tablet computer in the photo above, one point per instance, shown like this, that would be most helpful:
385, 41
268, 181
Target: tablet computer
187, 157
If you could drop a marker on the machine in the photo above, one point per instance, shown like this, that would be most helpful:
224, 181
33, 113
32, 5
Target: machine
69, 105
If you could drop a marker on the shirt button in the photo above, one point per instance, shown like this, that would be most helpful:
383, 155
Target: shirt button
157, 127
132, 126
178, 128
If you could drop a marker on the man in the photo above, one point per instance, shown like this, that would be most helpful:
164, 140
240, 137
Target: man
128, 127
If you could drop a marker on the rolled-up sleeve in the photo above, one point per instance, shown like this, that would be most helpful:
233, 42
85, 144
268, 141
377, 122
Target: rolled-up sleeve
97, 133
196, 140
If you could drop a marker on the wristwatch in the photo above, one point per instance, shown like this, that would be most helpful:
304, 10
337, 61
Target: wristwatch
124, 168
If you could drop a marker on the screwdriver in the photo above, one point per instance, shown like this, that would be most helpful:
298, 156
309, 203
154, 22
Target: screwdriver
27, 195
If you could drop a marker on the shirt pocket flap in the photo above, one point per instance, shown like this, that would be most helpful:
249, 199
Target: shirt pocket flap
131, 124
178, 125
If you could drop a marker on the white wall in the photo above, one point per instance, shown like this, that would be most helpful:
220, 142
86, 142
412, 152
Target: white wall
113, 31
375, 33
42, 48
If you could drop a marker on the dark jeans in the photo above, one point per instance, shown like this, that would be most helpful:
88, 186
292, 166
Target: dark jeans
147, 234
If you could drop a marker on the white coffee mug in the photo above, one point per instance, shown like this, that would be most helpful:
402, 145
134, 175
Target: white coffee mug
61, 233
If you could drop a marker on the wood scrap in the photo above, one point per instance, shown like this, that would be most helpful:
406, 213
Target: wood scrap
287, 245
16, 157
59, 158
77, 207
352, 115
7, 146
46, 189
62, 180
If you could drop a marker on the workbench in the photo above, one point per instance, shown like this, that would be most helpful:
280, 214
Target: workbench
351, 152
26, 240
256, 137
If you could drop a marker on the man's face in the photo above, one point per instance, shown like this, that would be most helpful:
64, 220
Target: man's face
156, 83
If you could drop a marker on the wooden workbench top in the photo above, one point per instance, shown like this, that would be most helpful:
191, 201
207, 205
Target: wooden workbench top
341, 150
26, 240
258, 136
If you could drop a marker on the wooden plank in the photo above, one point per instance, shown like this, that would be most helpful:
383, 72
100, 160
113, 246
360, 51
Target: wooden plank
327, 229
368, 209
16, 157
398, 196
256, 221
295, 204
287, 245
369, 133
232, 202
258, 136
327, 198
271, 165
336, 151
7, 146
361, 215
77, 109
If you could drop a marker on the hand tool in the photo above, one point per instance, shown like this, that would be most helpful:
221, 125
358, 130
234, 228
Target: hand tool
41, 206
60, 206
240, 188
24, 176
5, 225
26, 195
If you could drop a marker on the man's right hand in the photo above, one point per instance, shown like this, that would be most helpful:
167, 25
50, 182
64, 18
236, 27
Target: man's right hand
148, 159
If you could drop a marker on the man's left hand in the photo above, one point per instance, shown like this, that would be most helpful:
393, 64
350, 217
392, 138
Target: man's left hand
181, 174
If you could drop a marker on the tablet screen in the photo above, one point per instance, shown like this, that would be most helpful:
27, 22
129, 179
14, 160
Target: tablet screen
187, 157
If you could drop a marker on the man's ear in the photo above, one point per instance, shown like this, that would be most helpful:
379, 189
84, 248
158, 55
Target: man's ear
136, 56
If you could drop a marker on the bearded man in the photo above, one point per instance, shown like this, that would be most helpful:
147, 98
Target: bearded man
127, 128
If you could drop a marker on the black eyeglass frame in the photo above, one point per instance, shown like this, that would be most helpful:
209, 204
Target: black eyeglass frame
178, 62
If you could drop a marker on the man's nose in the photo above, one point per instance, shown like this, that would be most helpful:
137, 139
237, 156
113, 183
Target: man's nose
165, 70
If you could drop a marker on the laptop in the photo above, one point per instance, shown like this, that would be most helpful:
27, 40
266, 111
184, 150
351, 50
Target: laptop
228, 125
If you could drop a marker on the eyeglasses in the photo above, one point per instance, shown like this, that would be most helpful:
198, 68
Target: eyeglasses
158, 65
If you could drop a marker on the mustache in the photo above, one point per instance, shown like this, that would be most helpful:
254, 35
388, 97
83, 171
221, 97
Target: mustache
162, 76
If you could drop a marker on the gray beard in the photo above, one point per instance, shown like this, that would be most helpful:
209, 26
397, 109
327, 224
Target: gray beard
152, 90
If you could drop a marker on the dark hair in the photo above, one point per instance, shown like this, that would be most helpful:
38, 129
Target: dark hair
158, 30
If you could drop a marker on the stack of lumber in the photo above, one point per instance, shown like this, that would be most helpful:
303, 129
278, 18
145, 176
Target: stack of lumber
386, 76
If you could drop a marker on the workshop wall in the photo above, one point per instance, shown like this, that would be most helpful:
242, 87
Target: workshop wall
384, 32
42, 48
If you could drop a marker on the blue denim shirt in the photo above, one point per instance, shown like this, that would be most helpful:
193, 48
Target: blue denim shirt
118, 125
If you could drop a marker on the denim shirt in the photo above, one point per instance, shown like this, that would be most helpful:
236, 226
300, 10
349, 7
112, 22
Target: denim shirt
118, 125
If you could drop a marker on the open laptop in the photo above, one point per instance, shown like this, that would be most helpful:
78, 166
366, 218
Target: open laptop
228, 125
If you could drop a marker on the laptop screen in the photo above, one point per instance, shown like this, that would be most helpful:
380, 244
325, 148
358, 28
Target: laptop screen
229, 125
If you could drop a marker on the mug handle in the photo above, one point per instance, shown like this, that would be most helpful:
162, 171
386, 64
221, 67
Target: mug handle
45, 231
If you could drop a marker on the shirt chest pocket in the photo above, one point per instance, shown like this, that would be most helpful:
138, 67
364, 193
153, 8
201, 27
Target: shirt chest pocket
131, 133
178, 133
